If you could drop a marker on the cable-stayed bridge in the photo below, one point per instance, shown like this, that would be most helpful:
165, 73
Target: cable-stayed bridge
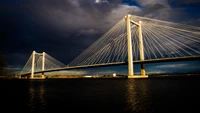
132, 40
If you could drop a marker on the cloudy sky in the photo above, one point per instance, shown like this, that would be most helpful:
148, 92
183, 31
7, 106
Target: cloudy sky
65, 28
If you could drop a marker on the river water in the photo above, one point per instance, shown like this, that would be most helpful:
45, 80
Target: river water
152, 95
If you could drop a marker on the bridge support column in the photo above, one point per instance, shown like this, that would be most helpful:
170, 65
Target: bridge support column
33, 65
130, 55
43, 63
143, 73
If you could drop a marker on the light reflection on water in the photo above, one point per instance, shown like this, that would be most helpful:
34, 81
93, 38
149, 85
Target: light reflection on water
138, 100
36, 96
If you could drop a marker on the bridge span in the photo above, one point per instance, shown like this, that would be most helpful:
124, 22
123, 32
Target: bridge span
175, 59
133, 40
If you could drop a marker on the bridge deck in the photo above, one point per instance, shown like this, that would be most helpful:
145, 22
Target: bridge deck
122, 63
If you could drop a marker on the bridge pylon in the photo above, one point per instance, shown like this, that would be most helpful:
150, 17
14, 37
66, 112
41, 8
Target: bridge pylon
130, 54
33, 64
129, 41
143, 72
39, 63
43, 64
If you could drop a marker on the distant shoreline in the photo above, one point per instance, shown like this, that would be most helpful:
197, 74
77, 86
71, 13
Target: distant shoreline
103, 76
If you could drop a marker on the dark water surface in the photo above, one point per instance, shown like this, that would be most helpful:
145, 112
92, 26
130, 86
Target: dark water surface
152, 95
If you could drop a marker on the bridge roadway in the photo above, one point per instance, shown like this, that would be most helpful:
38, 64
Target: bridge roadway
186, 58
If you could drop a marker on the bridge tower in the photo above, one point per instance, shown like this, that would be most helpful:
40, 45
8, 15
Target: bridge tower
43, 64
143, 72
33, 64
130, 55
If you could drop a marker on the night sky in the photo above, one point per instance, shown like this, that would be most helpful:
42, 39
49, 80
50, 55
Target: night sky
65, 28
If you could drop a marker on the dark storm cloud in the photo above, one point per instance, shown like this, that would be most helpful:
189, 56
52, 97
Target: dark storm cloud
44, 21
71, 15
51, 26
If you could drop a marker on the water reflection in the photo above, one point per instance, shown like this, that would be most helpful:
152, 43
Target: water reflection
137, 95
37, 100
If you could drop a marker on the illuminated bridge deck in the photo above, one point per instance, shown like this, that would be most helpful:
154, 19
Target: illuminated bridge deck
187, 58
